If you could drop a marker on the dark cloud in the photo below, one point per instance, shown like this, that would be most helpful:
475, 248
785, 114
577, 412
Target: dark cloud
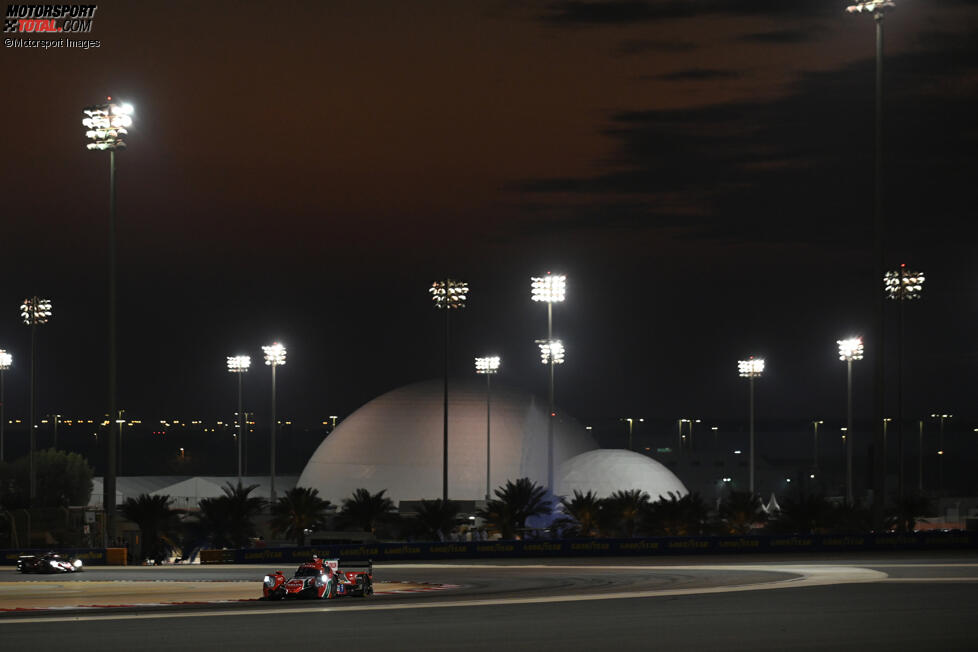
699, 74
617, 12
783, 36
641, 46
800, 168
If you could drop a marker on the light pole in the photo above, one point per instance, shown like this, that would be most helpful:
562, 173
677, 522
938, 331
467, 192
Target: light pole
551, 353
34, 312
238, 365
447, 295
550, 289
816, 423
901, 285
920, 455
850, 349
631, 424
5, 361
940, 449
274, 358
750, 369
488, 366
107, 126
877, 9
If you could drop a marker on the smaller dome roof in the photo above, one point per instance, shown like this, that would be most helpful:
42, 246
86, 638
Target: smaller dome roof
606, 471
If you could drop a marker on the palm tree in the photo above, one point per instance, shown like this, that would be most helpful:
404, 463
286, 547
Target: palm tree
437, 517
804, 514
228, 520
628, 506
675, 515
907, 509
157, 522
740, 510
366, 510
300, 509
583, 514
514, 503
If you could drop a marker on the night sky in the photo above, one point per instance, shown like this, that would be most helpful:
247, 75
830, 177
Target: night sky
302, 171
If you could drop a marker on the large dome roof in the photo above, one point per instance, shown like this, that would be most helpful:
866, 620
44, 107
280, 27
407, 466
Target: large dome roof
394, 442
609, 470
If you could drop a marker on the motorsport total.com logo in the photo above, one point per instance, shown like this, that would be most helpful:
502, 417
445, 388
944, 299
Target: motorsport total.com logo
42, 19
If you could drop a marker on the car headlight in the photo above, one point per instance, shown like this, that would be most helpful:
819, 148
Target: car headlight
322, 580
53, 563
77, 563
269, 582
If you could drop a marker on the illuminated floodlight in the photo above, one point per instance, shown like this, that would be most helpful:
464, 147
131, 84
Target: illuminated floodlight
107, 125
274, 354
5, 361
850, 349
35, 311
549, 288
489, 365
449, 294
238, 364
871, 6
750, 368
551, 349
903, 284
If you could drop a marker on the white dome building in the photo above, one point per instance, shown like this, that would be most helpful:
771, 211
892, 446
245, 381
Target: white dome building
394, 442
606, 471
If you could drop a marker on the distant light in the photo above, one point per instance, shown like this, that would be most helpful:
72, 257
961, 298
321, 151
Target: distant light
449, 294
737, 452
787, 479
850, 349
238, 364
274, 354
550, 348
549, 288
488, 365
903, 284
750, 368
35, 311
5, 360
871, 6
812, 476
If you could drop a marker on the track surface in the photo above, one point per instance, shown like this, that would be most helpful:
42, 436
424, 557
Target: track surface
896, 602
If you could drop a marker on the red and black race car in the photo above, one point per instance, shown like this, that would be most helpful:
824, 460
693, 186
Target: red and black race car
49, 562
320, 579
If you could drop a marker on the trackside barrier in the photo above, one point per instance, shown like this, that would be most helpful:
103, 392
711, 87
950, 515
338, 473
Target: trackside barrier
89, 556
596, 547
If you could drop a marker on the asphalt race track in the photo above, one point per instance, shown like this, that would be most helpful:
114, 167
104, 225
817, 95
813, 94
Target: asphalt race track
888, 602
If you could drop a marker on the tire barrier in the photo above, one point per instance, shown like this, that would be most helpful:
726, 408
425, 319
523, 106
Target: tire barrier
597, 547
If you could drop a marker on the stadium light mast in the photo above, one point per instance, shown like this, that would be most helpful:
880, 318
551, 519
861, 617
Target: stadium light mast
447, 295
488, 366
274, 358
877, 9
550, 289
631, 425
34, 312
750, 369
850, 349
901, 285
238, 365
941, 418
5, 361
107, 126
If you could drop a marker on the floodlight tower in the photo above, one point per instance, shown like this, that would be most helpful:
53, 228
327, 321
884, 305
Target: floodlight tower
488, 366
901, 285
631, 425
274, 358
447, 295
107, 126
750, 369
877, 9
850, 349
238, 365
5, 361
550, 289
34, 312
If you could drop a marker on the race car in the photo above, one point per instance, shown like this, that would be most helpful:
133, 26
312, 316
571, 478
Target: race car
49, 562
319, 579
